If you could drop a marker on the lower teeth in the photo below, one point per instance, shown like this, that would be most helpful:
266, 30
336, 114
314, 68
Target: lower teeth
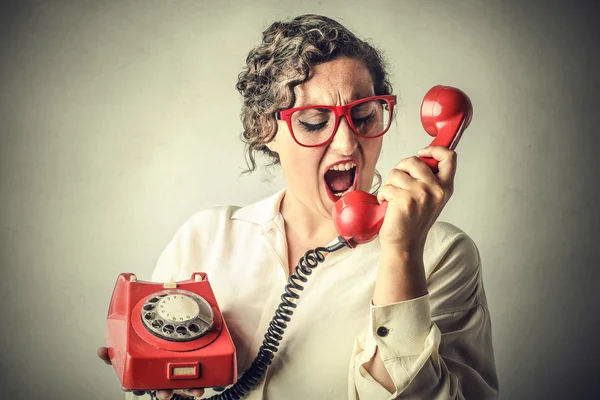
343, 193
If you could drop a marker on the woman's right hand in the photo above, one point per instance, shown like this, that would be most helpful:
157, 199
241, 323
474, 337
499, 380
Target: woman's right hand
161, 394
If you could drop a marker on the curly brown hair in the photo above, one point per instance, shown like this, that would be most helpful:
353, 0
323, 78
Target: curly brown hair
282, 61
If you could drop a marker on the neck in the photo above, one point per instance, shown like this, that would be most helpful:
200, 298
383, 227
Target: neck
305, 224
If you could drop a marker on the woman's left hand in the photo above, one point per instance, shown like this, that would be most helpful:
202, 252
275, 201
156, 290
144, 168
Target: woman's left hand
416, 197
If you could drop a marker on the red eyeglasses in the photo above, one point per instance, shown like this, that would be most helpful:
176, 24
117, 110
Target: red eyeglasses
313, 126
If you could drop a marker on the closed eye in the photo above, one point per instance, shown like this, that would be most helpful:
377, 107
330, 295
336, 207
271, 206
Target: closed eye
313, 127
363, 120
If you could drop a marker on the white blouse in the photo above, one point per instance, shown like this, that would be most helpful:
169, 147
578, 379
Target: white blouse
438, 346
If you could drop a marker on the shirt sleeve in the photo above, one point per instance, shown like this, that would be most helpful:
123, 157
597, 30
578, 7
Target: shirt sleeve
438, 346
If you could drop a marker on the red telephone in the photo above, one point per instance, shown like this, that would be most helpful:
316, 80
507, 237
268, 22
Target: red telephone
445, 114
168, 335
172, 335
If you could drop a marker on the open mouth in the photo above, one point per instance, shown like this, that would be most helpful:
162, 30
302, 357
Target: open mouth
340, 179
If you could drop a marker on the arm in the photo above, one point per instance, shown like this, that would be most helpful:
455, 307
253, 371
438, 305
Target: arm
438, 345
404, 350
401, 278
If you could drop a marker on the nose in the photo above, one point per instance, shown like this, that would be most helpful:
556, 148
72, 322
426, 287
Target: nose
344, 140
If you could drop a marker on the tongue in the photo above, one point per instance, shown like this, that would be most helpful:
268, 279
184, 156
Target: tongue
338, 181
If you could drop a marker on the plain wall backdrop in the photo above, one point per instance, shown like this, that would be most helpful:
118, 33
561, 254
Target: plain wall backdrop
120, 119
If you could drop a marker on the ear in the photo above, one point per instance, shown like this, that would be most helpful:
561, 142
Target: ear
273, 145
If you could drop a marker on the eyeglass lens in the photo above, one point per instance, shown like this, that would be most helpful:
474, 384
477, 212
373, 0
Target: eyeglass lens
314, 126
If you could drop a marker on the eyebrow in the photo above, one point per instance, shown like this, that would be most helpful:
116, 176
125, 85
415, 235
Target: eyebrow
357, 95
317, 107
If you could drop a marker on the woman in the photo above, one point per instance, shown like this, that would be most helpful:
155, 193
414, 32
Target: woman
404, 316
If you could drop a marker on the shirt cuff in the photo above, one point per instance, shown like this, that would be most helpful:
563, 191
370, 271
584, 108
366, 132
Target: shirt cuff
399, 329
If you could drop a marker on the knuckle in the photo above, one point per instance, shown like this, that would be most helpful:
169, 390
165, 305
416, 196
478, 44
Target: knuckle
394, 176
410, 202
419, 164
439, 193
384, 190
395, 172
406, 162
422, 194
450, 191
389, 191
452, 156
414, 160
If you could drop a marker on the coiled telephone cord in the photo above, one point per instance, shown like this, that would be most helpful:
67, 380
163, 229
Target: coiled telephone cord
274, 334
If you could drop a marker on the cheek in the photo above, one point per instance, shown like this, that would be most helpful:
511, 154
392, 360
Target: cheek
371, 151
300, 164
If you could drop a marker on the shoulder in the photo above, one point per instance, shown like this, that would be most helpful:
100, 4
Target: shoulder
188, 244
452, 267
211, 216
212, 231
445, 239
205, 223
259, 213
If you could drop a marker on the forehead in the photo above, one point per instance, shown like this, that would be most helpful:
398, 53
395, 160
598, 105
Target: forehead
338, 81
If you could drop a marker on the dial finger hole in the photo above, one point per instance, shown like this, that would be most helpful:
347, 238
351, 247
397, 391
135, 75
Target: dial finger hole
157, 324
181, 330
168, 329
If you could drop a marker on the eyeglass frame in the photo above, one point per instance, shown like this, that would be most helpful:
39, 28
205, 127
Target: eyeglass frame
338, 112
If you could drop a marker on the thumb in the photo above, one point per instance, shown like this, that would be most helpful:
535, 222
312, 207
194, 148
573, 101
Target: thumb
102, 352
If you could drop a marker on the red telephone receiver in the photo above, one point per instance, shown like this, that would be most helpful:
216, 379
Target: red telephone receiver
445, 114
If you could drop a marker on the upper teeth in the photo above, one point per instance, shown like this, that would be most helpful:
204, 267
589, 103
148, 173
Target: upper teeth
344, 167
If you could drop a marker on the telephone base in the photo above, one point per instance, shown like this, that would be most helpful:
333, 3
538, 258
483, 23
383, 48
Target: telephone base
169, 336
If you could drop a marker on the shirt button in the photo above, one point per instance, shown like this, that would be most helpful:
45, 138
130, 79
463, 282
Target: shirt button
382, 331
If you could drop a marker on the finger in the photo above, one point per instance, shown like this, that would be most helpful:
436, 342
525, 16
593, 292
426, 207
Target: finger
103, 354
192, 392
397, 179
189, 393
446, 161
418, 169
164, 394
197, 392
391, 193
401, 186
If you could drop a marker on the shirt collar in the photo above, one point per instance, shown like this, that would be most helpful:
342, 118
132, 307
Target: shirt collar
261, 212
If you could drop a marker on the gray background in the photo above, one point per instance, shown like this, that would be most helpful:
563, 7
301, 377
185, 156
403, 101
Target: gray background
119, 120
